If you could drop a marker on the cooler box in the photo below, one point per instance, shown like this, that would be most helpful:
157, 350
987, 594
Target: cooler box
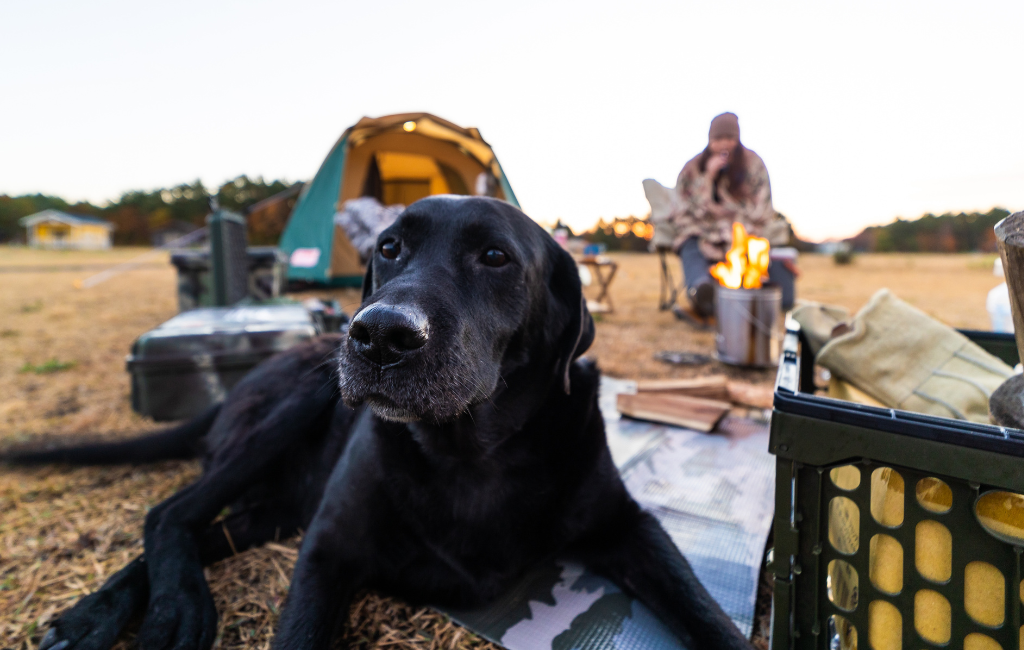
268, 271
190, 362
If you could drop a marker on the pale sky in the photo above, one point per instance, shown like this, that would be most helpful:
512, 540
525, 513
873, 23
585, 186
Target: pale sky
862, 111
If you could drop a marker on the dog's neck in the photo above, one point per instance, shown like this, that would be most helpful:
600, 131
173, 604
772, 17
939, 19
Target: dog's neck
484, 427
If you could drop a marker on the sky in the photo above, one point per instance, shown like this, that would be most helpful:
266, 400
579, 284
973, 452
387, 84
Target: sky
862, 112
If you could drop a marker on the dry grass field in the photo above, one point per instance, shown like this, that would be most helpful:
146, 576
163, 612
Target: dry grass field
62, 374
952, 288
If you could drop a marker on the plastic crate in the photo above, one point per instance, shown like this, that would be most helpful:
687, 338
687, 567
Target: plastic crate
860, 563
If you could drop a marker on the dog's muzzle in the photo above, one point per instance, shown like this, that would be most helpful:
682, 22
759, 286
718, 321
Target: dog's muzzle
387, 334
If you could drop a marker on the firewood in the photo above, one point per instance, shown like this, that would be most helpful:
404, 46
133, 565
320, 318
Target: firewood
714, 388
680, 410
706, 387
1004, 405
1010, 239
761, 397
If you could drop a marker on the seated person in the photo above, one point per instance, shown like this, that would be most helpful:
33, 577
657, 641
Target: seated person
725, 183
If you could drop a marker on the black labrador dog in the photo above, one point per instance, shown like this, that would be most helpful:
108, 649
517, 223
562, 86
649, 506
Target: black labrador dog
450, 442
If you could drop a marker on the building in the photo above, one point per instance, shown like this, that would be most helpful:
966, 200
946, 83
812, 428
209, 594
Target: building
56, 229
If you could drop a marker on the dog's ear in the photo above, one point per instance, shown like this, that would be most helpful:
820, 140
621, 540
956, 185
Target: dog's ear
579, 332
368, 280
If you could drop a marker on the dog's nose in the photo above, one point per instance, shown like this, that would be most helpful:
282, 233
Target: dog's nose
384, 334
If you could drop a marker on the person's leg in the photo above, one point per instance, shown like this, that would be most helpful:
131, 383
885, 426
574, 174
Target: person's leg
700, 287
782, 276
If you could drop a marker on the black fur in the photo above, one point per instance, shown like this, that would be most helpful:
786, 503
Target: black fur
464, 445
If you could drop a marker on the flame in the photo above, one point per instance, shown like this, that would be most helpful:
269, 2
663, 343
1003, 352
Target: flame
745, 263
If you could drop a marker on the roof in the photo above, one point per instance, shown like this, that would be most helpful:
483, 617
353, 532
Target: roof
63, 217
469, 139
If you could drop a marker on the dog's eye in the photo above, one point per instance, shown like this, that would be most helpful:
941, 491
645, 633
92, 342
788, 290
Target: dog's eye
495, 257
390, 249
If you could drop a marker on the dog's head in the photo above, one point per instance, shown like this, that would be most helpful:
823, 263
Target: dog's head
461, 296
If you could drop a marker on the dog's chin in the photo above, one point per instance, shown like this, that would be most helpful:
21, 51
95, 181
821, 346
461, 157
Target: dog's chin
391, 411
386, 410
437, 389
398, 408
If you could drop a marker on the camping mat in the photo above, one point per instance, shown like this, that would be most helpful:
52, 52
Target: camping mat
714, 494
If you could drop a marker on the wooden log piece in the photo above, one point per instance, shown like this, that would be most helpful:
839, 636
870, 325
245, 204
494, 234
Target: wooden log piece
678, 410
707, 387
716, 387
1010, 238
754, 396
1006, 407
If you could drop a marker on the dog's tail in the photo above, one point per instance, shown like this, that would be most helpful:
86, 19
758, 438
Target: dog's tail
178, 442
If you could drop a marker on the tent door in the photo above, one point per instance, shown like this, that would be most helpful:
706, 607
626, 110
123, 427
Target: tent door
404, 190
344, 256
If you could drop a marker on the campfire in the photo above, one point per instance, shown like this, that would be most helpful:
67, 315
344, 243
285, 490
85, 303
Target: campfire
746, 311
746, 263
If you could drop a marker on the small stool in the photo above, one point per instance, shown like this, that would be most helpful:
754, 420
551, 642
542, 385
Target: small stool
603, 270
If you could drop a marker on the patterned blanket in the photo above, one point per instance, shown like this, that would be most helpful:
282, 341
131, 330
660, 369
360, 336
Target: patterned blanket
713, 493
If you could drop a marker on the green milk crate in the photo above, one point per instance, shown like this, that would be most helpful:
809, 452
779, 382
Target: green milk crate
893, 530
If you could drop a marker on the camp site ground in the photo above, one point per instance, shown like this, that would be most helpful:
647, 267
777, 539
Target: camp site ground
62, 373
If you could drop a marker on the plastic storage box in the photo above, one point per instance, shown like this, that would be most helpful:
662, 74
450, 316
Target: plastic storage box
893, 529
190, 362
268, 272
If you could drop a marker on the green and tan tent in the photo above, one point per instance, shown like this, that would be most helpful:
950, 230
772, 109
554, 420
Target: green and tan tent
395, 159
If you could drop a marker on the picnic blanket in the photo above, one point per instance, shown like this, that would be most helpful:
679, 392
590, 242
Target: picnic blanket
714, 494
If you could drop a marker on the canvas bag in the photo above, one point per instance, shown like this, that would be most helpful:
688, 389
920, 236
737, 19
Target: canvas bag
906, 359
817, 320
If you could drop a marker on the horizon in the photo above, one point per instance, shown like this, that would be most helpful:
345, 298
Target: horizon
863, 115
576, 231
105, 204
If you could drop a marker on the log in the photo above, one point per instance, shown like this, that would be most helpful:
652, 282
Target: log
706, 387
1010, 238
679, 410
1005, 406
715, 388
759, 397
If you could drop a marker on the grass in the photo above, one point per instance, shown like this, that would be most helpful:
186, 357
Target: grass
64, 531
47, 367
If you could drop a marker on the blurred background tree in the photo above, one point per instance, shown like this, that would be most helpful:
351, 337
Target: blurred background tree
946, 233
140, 217
622, 234
143, 218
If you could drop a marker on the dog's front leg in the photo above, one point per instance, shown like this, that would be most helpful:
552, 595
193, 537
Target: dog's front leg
329, 572
336, 557
181, 614
95, 621
636, 552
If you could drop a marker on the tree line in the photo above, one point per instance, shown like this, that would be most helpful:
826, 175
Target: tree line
946, 233
138, 215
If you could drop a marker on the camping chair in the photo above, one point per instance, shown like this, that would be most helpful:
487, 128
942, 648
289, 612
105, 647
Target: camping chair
664, 202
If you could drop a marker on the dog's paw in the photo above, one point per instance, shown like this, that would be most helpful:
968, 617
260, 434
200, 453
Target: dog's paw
183, 620
92, 624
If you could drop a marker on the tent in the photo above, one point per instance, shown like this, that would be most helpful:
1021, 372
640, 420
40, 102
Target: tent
396, 159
